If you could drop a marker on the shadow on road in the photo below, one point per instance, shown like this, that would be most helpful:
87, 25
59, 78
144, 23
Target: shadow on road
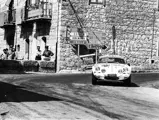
117, 84
12, 93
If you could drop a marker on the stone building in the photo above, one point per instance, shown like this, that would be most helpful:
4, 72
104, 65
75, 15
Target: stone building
62, 24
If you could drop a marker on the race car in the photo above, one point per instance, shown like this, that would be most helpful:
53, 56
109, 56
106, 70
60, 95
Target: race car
111, 68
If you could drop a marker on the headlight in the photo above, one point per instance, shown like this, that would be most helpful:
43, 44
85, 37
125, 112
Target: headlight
103, 70
125, 69
120, 71
97, 69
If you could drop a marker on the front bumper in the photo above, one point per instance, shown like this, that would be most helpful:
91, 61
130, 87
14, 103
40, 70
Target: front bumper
111, 76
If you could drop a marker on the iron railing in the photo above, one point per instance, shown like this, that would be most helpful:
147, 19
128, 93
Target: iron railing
9, 17
41, 10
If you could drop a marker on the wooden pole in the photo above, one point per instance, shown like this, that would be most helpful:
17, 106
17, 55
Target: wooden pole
78, 56
114, 46
96, 55
153, 29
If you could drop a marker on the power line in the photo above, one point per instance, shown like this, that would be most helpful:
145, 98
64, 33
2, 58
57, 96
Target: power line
80, 23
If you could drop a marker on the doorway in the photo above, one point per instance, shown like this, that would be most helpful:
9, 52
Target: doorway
27, 45
9, 35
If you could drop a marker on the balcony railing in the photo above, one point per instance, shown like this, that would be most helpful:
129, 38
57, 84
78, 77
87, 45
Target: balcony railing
10, 17
7, 18
42, 10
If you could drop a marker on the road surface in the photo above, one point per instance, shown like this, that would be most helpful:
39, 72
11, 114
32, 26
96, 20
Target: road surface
71, 97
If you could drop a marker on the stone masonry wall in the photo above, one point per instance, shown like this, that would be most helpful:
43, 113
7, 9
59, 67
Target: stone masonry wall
133, 20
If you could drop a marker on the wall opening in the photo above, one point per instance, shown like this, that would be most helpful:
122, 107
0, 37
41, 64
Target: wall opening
9, 35
27, 45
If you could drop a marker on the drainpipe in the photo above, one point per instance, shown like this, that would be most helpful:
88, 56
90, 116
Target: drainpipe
114, 36
57, 58
153, 29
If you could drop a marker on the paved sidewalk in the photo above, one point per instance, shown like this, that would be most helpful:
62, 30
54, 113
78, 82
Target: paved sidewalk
63, 72
4, 109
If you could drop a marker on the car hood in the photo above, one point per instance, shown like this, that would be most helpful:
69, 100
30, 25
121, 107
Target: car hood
112, 64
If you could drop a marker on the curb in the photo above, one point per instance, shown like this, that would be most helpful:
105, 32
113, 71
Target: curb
74, 72
3, 109
87, 72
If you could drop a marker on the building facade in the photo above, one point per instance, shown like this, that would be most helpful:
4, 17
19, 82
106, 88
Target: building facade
75, 28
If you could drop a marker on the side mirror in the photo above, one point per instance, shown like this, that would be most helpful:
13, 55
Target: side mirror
128, 64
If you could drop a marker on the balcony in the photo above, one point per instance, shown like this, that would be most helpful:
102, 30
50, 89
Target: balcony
41, 11
7, 18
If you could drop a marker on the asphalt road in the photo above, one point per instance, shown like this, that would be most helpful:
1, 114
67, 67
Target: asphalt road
26, 95
11, 82
137, 79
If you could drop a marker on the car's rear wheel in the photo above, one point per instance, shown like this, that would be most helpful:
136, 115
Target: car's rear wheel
94, 80
127, 81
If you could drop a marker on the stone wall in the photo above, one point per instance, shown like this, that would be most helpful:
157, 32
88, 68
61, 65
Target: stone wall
133, 20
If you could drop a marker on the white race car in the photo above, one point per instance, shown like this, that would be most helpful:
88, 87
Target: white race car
111, 68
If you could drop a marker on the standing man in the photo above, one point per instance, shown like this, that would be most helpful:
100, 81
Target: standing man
38, 53
11, 53
47, 54
4, 55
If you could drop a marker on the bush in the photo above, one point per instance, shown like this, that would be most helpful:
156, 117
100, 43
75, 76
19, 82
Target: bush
10, 66
145, 68
30, 65
13, 66
88, 61
47, 66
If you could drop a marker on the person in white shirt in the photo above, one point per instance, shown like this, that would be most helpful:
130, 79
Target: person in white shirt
38, 53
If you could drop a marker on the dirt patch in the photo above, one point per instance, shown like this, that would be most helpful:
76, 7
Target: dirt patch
154, 84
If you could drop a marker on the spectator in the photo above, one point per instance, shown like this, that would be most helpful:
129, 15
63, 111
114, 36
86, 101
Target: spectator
17, 49
47, 54
4, 55
11, 53
38, 53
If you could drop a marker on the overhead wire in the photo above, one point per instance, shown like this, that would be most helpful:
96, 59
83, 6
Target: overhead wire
80, 23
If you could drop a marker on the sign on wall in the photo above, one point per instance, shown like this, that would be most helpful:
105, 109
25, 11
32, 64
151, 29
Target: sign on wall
81, 37
94, 46
96, 37
79, 42
77, 34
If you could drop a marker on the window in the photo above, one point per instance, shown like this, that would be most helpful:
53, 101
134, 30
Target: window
96, 1
111, 60
32, 2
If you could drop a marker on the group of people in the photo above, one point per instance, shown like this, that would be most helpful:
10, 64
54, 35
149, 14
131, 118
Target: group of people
46, 54
8, 54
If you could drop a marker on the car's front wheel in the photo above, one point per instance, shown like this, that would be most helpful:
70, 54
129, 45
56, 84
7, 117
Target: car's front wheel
94, 80
127, 81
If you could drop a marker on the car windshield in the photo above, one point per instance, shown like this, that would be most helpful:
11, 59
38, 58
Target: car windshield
111, 60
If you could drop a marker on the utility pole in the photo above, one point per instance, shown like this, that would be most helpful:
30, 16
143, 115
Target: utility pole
153, 29
114, 36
